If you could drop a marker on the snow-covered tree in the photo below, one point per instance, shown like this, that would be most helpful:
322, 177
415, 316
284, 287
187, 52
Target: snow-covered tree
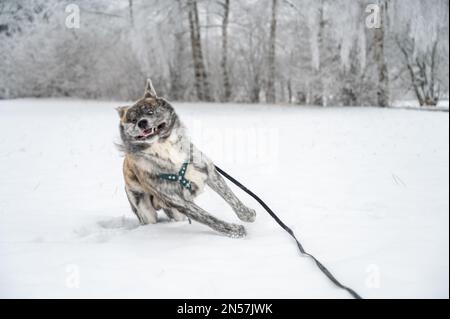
318, 52
421, 34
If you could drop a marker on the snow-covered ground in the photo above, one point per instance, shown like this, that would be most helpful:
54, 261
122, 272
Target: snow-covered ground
442, 105
365, 189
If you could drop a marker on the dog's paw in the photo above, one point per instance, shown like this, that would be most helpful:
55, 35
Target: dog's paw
236, 231
246, 214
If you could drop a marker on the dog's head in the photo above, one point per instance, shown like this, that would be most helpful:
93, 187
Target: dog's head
149, 120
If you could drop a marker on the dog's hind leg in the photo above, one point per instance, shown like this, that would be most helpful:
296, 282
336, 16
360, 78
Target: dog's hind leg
174, 214
218, 184
141, 206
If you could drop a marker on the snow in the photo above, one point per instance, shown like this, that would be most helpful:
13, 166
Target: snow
442, 105
365, 189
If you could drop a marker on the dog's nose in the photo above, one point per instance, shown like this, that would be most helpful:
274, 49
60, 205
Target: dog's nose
143, 124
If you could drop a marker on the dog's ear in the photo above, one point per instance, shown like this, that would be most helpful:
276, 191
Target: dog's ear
150, 90
121, 110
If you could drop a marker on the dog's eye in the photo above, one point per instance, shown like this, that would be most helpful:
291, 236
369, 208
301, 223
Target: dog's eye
133, 119
148, 110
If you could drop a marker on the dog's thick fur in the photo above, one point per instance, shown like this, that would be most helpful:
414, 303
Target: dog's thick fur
155, 142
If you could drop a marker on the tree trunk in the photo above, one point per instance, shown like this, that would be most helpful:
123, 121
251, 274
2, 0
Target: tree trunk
176, 67
130, 6
270, 93
201, 78
289, 88
201, 63
256, 90
380, 58
319, 94
422, 70
197, 74
433, 87
224, 63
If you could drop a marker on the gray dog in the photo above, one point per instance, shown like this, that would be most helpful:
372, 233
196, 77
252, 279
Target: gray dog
164, 170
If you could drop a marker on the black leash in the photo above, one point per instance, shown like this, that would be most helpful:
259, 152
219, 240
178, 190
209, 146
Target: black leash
290, 232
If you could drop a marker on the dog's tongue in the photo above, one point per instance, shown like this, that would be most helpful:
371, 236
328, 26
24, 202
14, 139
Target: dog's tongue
148, 131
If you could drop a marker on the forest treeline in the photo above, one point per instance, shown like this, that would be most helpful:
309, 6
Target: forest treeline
314, 52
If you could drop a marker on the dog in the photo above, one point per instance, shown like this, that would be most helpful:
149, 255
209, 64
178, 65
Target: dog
164, 170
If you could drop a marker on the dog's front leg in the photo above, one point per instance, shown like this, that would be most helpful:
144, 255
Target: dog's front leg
194, 212
218, 184
141, 206
173, 198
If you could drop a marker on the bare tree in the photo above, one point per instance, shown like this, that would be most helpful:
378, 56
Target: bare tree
224, 62
380, 56
422, 69
177, 64
254, 60
130, 7
201, 78
271, 93
199, 50
319, 95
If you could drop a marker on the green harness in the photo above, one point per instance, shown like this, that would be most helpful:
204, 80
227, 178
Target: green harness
178, 177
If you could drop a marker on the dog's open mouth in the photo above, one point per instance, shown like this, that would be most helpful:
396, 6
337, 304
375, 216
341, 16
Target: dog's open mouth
150, 132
